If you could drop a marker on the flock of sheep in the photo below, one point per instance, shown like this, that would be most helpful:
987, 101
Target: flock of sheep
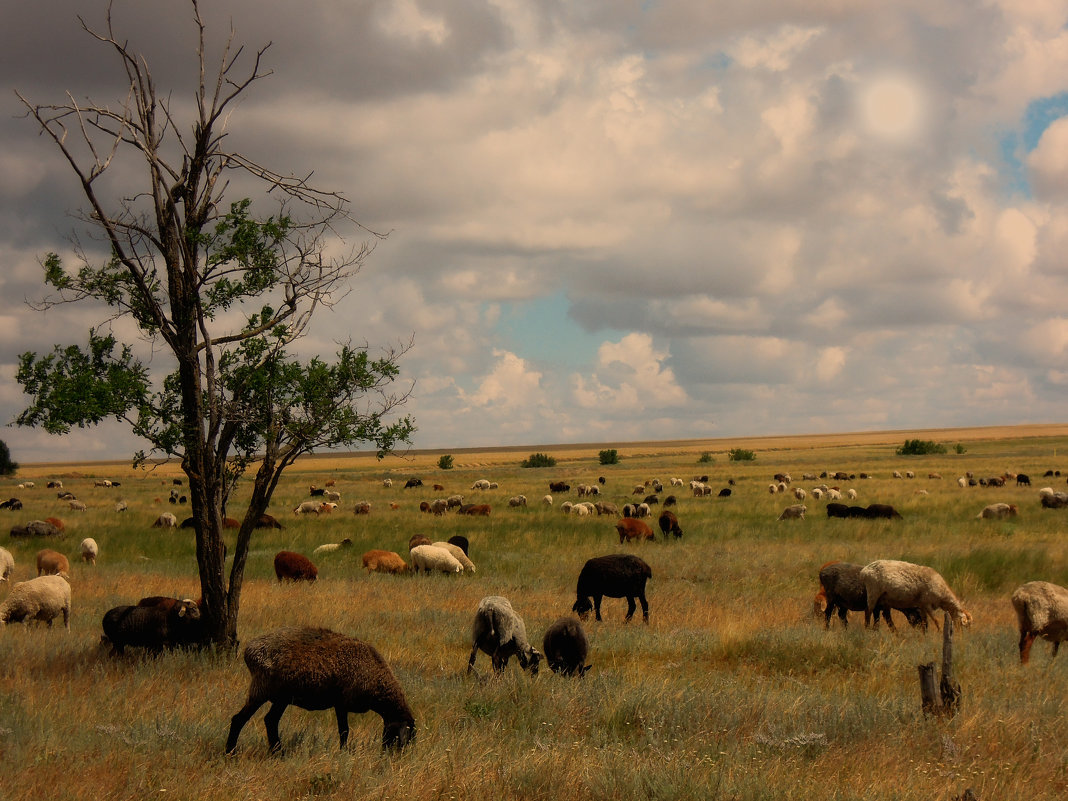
315, 668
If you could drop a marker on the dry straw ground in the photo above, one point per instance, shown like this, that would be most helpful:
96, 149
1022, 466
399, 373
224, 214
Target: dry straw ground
735, 690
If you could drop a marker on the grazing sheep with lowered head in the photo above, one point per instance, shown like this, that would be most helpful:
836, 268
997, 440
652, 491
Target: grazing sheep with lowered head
330, 547
44, 598
316, 668
616, 576
379, 561
1041, 611
52, 563
89, 550
498, 630
7, 564
998, 511
795, 512
291, 566
904, 585
458, 554
428, 558
566, 647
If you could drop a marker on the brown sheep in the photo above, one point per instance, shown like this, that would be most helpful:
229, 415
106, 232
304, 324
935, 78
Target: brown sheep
52, 563
315, 668
631, 528
291, 566
379, 561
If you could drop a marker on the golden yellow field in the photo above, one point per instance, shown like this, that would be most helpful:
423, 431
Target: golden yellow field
735, 689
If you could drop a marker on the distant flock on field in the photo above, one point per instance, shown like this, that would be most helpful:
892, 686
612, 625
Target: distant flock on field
315, 668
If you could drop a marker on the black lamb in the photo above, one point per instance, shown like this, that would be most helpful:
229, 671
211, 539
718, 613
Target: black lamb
617, 576
155, 627
566, 647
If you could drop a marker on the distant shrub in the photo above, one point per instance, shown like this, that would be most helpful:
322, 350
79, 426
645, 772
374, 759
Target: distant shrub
958, 448
740, 455
445, 462
920, 447
539, 460
608, 456
705, 458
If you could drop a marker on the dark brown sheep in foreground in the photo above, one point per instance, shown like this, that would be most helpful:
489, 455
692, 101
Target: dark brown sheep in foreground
315, 668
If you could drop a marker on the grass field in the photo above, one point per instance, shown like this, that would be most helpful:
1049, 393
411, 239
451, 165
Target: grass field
735, 690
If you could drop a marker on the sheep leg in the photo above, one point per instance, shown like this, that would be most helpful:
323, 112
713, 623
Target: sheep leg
645, 608
238, 721
597, 607
342, 715
1027, 639
270, 721
1056, 645
888, 618
631, 606
471, 659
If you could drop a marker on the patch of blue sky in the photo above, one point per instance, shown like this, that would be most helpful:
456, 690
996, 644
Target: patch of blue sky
1015, 145
541, 330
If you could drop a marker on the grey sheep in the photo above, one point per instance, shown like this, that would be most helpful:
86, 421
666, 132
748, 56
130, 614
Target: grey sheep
316, 668
499, 631
44, 598
566, 647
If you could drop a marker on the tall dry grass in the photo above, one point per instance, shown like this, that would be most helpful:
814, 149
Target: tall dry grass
735, 690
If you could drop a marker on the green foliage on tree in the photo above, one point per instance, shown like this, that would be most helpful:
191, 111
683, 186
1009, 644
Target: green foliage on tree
608, 456
182, 263
7, 467
538, 460
705, 458
445, 462
958, 448
740, 455
920, 447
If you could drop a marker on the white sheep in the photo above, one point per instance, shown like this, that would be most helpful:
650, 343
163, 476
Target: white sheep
834, 495
333, 496
795, 512
773, 488
89, 550
799, 493
817, 493
998, 511
43, 598
76, 506
387, 482
499, 631
431, 558
851, 494
565, 507
458, 554
547, 500
121, 506
7, 564
439, 506
580, 509
904, 585
330, 547
962, 482
677, 482
307, 508
481, 484
166, 520
1042, 611
517, 500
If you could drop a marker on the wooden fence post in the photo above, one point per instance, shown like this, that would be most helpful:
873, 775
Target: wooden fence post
928, 688
948, 689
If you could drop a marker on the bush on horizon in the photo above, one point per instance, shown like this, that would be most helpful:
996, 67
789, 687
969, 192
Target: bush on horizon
921, 447
539, 460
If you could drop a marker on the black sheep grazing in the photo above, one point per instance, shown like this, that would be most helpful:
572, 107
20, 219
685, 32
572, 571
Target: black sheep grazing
882, 510
153, 627
845, 593
460, 541
316, 668
566, 646
669, 524
617, 576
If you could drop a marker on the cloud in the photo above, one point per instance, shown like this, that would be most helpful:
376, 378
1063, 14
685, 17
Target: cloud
722, 218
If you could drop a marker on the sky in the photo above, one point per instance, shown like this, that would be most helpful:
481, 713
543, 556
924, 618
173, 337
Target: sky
619, 221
